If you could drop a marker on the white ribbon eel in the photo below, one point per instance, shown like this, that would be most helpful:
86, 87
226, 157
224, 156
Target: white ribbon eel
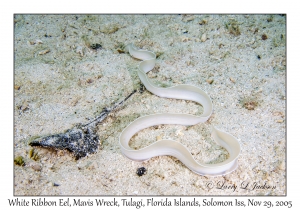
170, 147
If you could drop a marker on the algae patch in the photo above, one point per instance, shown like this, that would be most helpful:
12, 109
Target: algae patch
33, 155
110, 29
233, 27
19, 161
249, 103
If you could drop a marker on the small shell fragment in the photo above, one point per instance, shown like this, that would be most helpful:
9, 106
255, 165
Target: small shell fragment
232, 80
24, 106
44, 52
188, 19
278, 113
209, 81
203, 38
203, 22
38, 41
35, 42
120, 51
279, 121
30, 42
89, 80
79, 50
185, 39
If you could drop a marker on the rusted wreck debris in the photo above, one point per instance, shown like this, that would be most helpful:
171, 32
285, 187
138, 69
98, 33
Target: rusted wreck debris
82, 139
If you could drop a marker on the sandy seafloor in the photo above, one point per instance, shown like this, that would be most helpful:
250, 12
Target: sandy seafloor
71, 84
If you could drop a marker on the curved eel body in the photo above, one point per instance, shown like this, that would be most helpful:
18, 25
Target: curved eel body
170, 147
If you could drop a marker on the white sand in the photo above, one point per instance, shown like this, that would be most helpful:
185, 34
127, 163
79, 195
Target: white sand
62, 88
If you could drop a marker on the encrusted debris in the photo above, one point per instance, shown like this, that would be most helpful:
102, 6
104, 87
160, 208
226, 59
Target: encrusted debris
81, 139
